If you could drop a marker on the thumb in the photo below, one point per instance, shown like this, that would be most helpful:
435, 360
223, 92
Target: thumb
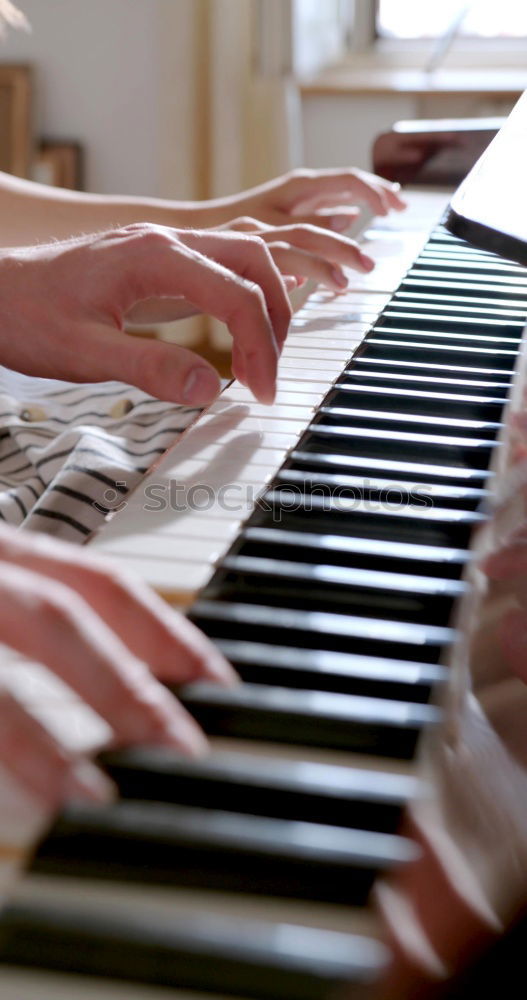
167, 371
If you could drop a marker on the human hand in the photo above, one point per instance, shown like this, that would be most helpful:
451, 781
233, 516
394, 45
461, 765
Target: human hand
108, 638
63, 308
326, 198
305, 251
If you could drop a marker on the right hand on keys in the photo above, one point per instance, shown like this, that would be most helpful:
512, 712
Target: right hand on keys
107, 637
63, 307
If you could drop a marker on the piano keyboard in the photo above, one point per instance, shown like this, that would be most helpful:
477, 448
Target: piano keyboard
322, 545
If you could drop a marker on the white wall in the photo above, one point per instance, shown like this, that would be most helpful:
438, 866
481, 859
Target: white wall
340, 129
117, 75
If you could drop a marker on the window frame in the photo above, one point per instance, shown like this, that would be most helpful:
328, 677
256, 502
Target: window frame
463, 53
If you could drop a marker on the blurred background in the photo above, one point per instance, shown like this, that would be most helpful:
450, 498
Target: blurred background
196, 98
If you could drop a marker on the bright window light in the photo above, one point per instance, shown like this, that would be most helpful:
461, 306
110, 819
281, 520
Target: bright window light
482, 18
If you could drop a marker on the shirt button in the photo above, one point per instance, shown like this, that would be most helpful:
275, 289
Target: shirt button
121, 408
31, 414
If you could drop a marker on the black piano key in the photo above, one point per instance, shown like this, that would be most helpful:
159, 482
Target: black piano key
309, 458
440, 449
413, 398
398, 349
347, 550
201, 952
345, 415
404, 330
509, 284
373, 487
310, 718
317, 793
322, 630
321, 670
427, 525
468, 388
454, 266
511, 293
299, 584
424, 299
363, 362
462, 255
154, 843
508, 330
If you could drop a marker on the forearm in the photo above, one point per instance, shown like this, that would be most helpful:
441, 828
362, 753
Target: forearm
33, 213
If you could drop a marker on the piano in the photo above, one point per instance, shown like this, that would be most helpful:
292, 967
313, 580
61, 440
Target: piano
325, 545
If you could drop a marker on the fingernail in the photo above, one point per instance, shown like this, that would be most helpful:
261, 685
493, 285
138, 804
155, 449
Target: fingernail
513, 635
86, 782
201, 387
339, 278
187, 737
340, 222
266, 396
290, 282
367, 262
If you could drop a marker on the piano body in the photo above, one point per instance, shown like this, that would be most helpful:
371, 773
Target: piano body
325, 545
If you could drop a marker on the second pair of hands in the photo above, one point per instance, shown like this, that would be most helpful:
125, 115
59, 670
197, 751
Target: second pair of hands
64, 304
62, 311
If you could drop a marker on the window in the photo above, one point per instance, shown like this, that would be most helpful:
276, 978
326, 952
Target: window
484, 19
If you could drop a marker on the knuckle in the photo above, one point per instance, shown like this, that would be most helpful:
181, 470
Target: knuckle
110, 582
246, 221
150, 235
255, 244
300, 173
254, 297
54, 615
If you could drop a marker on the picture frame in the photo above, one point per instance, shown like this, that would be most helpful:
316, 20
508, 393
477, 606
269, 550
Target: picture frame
59, 163
15, 119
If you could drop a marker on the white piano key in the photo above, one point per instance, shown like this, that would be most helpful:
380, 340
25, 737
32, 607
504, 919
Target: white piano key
323, 344
262, 454
168, 903
332, 366
360, 297
306, 756
276, 414
302, 380
178, 583
239, 394
241, 416
316, 354
165, 546
195, 470
330, 331
27, 984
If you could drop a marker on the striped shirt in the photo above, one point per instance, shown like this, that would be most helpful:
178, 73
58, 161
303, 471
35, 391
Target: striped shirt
70, 453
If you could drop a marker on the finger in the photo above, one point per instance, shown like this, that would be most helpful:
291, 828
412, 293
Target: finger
249, 258
512, 634
166, 371
339, 221
158, 265
238, 365
508, 562
290, 260
69, 638
330, 246
379, 194
244, 224
160, 311
40, 764
172, 647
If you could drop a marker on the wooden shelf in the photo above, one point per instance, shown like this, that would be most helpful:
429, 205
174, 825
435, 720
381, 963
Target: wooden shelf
485, 83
